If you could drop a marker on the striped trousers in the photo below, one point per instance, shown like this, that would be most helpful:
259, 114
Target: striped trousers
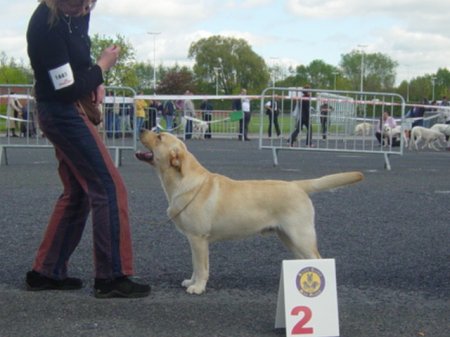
91, 184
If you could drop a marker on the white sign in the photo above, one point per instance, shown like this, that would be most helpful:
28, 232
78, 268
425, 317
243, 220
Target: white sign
307, 298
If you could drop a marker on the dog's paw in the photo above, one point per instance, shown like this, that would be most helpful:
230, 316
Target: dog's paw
195, 289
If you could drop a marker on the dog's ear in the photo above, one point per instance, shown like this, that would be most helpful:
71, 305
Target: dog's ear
176, 158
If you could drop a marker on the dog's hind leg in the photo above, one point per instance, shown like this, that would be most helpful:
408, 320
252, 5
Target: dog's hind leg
302, 243
200, 264
416, 144
433, 146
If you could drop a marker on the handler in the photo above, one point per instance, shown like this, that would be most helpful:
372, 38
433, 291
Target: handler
60, 55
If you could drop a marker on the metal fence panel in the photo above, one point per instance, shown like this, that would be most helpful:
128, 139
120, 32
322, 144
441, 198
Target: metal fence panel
19, 127
338, 130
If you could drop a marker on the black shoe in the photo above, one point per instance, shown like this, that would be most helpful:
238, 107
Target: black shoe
123, 287
247, 139
36, 282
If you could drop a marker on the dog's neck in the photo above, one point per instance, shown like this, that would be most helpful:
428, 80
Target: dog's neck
176, 182
183, 198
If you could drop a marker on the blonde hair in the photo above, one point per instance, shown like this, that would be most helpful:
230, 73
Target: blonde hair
55, 12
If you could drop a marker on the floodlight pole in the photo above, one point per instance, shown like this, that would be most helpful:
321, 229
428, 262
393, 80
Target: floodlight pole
154, 59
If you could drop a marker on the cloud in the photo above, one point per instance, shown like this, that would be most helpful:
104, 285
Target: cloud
164, 10
414, 33
351, 8
417, 52
245, 4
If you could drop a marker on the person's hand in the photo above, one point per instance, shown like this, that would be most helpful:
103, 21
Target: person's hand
109, 57
99, 94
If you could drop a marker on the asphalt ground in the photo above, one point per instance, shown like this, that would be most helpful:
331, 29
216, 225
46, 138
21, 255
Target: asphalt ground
388, 234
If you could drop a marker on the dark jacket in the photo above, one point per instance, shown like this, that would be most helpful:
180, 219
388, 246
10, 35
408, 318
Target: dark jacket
66, 42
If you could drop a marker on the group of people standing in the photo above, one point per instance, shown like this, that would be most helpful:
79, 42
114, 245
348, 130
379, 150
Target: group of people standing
13, 112
20, 118
242, 106
167, 110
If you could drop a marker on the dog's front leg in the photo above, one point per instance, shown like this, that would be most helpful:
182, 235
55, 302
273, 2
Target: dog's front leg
200, 264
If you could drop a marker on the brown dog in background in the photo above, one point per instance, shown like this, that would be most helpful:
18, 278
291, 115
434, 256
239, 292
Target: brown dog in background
208, 207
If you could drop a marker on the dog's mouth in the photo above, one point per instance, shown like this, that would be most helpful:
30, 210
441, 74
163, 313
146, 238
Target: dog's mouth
146, 156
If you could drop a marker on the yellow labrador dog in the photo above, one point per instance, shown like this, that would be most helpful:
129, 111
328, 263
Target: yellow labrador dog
209, 207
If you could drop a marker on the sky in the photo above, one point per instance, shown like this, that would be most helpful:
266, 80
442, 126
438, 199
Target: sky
416, 34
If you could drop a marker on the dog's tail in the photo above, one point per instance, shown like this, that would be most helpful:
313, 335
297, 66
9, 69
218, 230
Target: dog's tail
330, 181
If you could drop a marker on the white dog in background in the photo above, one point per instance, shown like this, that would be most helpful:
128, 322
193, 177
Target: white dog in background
199, 129
390, 133
442, 128
429, 136
363, 129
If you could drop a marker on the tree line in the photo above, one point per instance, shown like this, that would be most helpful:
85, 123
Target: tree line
224, 65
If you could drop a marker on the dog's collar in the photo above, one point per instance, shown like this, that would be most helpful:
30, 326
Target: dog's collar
171, 218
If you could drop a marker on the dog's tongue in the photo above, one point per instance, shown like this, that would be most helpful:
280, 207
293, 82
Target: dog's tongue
145, 156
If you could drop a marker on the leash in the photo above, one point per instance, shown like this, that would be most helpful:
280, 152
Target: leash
160, 127
184, 207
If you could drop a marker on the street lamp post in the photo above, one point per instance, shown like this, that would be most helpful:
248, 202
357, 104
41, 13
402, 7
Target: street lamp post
407, 91
216, 71
433, 81
335, 73
362, 46
154, 59
408, 82
274, 59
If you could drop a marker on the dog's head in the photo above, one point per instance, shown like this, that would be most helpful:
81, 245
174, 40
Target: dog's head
386, 129
165, 151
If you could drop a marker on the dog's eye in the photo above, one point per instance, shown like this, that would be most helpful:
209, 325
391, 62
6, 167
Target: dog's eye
159, 136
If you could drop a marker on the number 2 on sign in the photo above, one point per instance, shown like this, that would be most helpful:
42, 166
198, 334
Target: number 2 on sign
299, 328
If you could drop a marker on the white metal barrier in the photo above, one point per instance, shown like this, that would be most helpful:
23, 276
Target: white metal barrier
19, 127
220, 119
351, 121
340, 121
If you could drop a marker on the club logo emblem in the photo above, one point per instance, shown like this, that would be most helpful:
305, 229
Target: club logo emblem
310, 282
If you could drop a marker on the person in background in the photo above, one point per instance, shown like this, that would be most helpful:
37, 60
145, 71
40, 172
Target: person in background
188, 111
325, 110
14, 109
207, 109
60, 56
445, 113
153, 115
243, 104
273, 112
303, 119
141, 107
169, 114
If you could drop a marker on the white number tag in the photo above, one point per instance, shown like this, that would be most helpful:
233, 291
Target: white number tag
62, 76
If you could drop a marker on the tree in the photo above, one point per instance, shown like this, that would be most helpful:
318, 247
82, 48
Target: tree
176, 81
318, 74
420, 88
442, 83
144, 74
321, 74
122, 74
12, 72
378, 70
238, 66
